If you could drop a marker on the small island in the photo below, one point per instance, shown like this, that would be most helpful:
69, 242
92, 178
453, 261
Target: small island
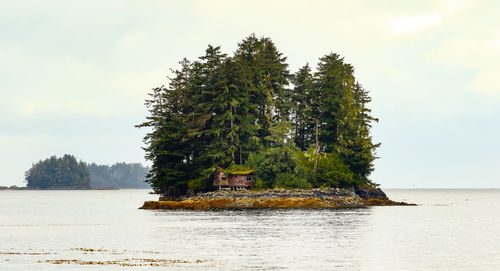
58, 173
316, 198
243, 131
66, 173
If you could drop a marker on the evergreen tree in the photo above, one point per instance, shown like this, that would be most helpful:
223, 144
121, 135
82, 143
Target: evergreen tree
265, 76
209, 119
304, 108
167, 145
333, 81
344, 118
361, 149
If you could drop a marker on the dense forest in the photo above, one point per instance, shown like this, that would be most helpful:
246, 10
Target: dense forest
58, 173
249, 111
119, 175
67, 173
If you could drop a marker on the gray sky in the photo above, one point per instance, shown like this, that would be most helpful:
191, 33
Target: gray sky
74, 74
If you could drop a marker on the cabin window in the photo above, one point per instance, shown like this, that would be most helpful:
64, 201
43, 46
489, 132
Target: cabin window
224, 178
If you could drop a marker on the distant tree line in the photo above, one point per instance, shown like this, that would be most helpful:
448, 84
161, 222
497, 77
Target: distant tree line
119, 175
67, 173
248, 111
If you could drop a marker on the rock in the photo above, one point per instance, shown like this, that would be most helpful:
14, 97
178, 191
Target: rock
386, 202
256, 203
371, 194
276, 198
332, 198
278, 193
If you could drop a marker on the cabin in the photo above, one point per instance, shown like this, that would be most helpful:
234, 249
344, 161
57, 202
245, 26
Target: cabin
236, 180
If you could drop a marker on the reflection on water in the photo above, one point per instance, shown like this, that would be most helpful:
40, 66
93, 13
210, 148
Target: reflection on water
449, 230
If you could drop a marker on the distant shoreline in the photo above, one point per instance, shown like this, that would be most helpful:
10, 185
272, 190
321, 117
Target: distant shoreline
30, 188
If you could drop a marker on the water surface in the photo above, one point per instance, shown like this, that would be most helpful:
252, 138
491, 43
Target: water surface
104, 230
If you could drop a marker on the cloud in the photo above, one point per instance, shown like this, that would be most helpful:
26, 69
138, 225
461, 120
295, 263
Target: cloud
476, 52
453, 6
487, 82
495, 43
81, 74
435, 13
415, 23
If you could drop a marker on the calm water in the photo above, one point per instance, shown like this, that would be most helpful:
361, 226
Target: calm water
75, 230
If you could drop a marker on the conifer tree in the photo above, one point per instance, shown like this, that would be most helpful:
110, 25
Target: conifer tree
344, 117
166, 144
304, 108
264, 75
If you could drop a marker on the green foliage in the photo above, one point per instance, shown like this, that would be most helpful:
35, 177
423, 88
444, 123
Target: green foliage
196, 183
259, 184
333, 172
274, 162
251, 162
58, 173
119, 175
233, 167
345, 120
239, 112
291, 181
305, 108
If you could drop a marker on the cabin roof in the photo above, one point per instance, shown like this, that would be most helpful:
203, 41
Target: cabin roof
242, 172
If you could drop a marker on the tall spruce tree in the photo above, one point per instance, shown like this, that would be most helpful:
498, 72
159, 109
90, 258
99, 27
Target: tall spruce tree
167, 145
265, 76
344, 118
362, 150
304, 108
209, 121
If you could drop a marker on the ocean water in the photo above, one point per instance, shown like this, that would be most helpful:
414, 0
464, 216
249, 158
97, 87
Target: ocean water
104, 230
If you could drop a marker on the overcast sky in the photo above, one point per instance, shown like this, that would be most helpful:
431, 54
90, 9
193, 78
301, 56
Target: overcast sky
74, 75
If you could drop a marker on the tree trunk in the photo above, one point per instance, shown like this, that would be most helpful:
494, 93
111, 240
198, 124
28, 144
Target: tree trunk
317, 149
232, 137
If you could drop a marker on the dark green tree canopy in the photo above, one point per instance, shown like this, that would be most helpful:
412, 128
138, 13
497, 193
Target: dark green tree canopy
302, 130
58, 173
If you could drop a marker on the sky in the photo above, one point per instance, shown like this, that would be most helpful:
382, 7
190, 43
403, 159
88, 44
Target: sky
74, 75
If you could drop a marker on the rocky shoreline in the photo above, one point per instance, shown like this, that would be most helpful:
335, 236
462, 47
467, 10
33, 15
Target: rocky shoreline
332, 198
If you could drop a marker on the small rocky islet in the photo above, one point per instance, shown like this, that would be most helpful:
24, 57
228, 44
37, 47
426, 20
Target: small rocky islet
329, 198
